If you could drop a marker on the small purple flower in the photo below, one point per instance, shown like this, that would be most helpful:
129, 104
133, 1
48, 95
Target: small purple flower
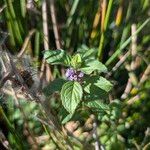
81, 74
69, 72
74, 75
71, 78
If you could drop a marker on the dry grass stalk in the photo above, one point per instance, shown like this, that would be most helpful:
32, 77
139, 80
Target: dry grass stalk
54, 23
103, 7
132, 77
46, 43
144, 77
26, 42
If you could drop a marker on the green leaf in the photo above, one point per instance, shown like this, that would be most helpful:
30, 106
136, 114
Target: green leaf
86, 52
93, 65
76, 61
64, 116
67, 118
94, 93
71, 95
103, 84
98, 105
53, 86
96, 88
57, 57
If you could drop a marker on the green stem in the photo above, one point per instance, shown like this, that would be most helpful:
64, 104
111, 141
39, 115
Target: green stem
73, 9
102, 38
13, 21
101, 46
108, 14
37, 44
23, 8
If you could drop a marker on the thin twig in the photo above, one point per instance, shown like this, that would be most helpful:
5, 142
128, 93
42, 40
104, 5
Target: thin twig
43, 122
55, 27
147, 134
144, 77
7, 76
26, 42
146, 146
4, 141
136, 145
119, 63
54, 23
45, 25
53, 131
2, 8
133, 46
127, 89
8, 92
133, 99
46, 43
95, 136
132, 77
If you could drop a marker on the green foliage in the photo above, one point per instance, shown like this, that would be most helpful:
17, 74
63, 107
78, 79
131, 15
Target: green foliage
89, 42
76, 61
85, 62
56, 57
54, 86
93, 65
64, 115
86, 52
97, 105
96, 87
72, 92
71, 95
104, 84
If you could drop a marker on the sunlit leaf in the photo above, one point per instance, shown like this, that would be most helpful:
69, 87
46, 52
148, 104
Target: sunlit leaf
86, 52
97, 104
57, 57
76, 61
96, 87
103, 84
71, 95
93, 65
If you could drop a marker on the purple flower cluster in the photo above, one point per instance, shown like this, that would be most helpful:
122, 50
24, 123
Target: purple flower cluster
74, 75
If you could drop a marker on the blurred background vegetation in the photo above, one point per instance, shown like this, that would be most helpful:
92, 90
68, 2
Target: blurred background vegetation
119, 30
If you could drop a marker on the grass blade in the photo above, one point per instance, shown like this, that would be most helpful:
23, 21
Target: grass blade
73, 9
119, 50
23, 8
102, 39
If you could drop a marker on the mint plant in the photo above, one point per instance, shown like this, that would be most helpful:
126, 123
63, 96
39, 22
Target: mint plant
83, 87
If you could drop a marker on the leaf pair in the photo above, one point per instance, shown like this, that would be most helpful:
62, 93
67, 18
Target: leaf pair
84, 61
